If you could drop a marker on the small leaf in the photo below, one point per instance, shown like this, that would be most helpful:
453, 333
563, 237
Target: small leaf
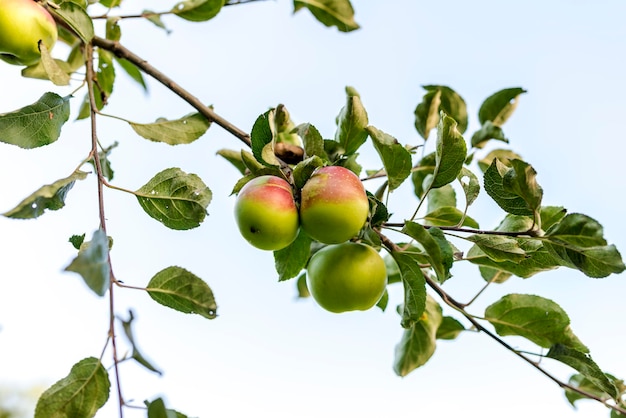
424, 169
450, 152
414, 288
182, 291
452, 104
437, 248
133, 71
77, 240
583, 363
514, 189
127, 326
176, 199
76, 18
313, 141
578, 242
581, 382
174, 132
35, 125
418, 343
233, 157
485, 133
303, 170
291, 260
54, 72
427, 113
395, 157
351, 124
448, 216
92, 263
499, 247
112, 28
498, 107
504, 155
471, 187
262, 138
330, 12
157, 409
449, 329
441, 197
535, 318
48, 197
494, 275
198, 10
155, 19
79, 394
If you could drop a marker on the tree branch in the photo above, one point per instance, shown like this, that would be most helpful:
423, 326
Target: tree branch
460, 307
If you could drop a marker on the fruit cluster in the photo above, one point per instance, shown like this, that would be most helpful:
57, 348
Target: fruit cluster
333, 208
23, 24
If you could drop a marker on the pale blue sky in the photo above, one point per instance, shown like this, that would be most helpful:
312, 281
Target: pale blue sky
268, 354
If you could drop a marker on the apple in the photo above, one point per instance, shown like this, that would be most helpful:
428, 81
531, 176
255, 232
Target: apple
23, 23
346, 277
334, 205
266, 213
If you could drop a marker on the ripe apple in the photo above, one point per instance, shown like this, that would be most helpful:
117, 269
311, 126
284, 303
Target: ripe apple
334, 205
23, 23
346, 277
266, 213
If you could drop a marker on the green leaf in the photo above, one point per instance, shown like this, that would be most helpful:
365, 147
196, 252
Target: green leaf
436, 246
471, 186
395, 157
133, 71
379, 211
48, 197
578, 242
303, 170
157, 409
427, 113
176, 199
414, 288
262, 137
313, 141
291, 260
330, 12
76, 18
105, 163
182, 291
37, 124
92, 263
499, 247
452, 104
448, 216
535, 318
112, 28
418, 343
79, 394
583, 363
551, 215
498, 107
198, 10
55, 72
233, 157
77, 240
174, 132
538, 259
514, 189
485, 133
450, 152
352, 122
441, 197
494, 275
449, 328
127, 326
581, 382
155, 19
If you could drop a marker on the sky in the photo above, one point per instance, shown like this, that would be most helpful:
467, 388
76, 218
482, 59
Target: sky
267, 353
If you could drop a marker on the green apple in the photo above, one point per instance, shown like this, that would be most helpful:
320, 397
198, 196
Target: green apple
266, 213
23, 23
346, 277
334, 205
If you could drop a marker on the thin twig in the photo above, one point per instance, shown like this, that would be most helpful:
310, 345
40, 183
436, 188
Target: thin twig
100, 177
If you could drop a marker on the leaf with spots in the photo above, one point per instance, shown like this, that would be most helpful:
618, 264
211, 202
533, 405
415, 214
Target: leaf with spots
176, 199
182, 291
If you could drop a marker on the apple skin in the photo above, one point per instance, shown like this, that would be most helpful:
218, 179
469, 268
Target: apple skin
266, 213
346, 277
23, 23
334, 205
